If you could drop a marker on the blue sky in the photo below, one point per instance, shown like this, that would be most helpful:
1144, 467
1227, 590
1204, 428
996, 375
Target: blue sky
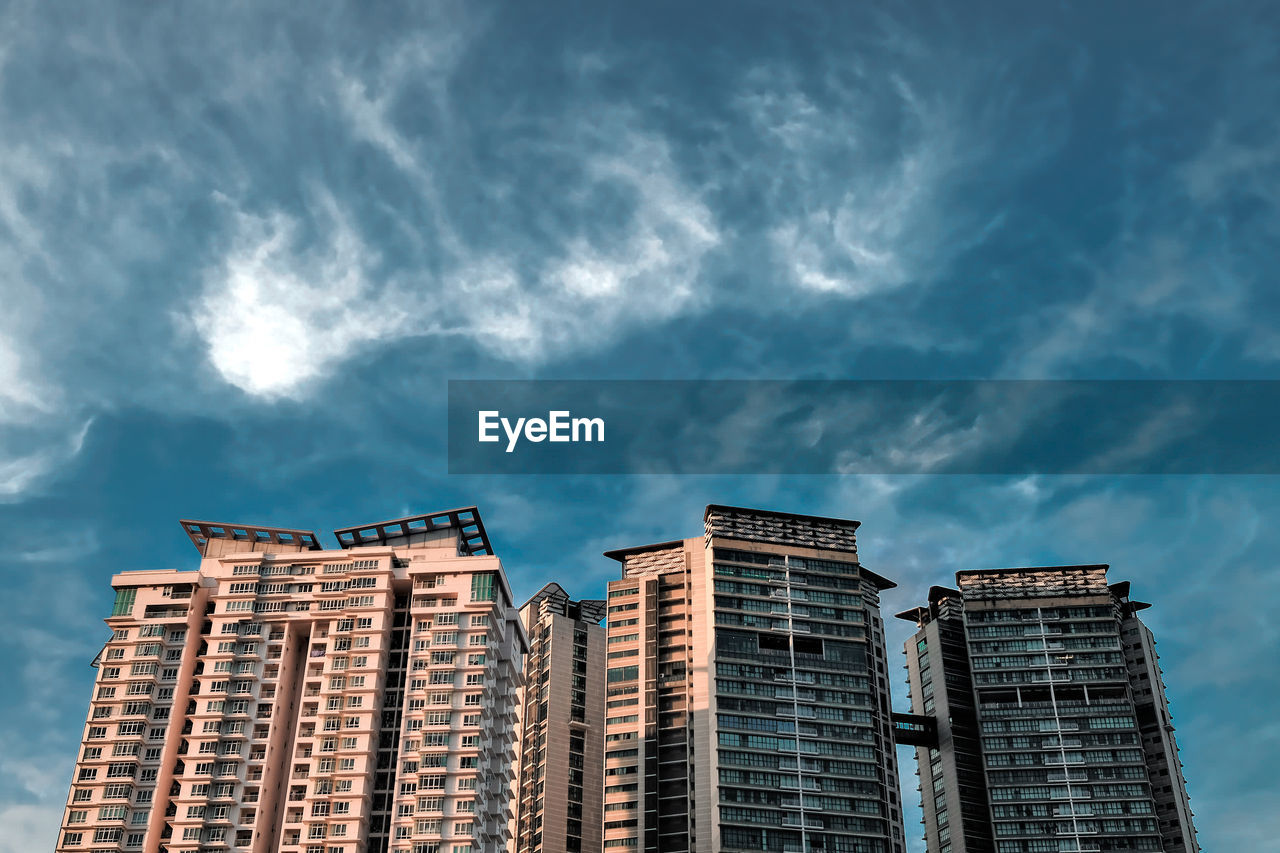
243, 246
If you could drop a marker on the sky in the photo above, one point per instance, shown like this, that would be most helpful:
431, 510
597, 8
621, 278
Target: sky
243, 247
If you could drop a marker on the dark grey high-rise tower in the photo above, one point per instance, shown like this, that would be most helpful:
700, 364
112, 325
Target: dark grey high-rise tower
560, 785
1053, 733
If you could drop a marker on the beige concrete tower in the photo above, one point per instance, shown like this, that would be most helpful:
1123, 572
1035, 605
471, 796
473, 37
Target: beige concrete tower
562, 725
287, 698
747, 700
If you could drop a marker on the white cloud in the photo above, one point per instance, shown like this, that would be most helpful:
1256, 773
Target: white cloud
53, 635
21, 395
29, 827
276, 315
24, 394
22, 471
857, 181
1226, 167
589, 289
857, 246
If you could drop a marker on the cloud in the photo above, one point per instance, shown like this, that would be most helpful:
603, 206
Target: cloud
849, 236
50, 640
295, 294
21, 396
1226, 167
277, 315
863, 173
644, 272
21, 471
24, 393
29, 827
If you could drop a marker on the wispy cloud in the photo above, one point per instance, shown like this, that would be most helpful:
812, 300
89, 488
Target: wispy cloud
21, 470
644, 272
278, 312
870, 232
868, 176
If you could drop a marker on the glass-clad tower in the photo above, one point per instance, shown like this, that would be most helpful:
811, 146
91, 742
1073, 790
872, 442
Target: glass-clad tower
1053, 733
747, 700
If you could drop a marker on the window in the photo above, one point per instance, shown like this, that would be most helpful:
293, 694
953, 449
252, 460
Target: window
124, 602
624, 673
483, 588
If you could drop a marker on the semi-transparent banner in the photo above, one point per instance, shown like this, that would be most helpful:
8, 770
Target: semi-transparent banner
1005, 427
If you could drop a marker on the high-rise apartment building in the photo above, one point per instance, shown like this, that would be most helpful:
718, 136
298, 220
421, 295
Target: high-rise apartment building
1053, 732
747, 698
562, 725
285, 697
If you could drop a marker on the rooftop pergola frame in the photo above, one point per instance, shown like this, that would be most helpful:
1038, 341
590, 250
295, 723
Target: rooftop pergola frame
200, 532
472, 539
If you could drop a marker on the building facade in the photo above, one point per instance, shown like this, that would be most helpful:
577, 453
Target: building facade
1053, 731
747, 699
562, 725
285, 697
